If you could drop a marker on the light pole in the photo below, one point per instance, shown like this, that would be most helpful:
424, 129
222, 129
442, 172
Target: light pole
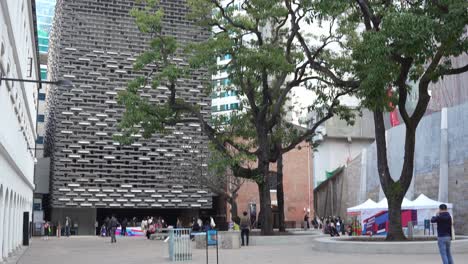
58, 82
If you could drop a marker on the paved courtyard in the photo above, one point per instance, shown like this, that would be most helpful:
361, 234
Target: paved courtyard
90, 250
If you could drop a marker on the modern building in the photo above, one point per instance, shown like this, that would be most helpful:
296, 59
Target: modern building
225, 97
18, 106
94, 44
45, 10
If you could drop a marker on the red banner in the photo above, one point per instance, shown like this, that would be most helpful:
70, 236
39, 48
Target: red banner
394, 121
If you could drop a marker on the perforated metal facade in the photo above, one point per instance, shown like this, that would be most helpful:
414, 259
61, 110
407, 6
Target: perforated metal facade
94, 44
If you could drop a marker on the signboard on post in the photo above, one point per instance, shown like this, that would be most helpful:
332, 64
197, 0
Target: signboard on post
212, 237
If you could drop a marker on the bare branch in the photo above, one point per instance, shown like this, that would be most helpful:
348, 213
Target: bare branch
455, 71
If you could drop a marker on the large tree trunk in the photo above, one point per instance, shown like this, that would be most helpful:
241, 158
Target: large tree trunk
395, 230
233, 203
280, 192
266, 219
394, 190
265, 209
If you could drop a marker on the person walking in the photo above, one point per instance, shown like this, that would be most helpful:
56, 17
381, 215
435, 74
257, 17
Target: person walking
245, 228
113, 223
67, 226
124, 227
46, 230
444, 233
107, 224
306, 221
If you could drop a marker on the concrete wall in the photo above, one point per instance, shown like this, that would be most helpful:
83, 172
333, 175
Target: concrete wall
337, 193
18, 102
335, 152
427, 168
341, 143
41, 179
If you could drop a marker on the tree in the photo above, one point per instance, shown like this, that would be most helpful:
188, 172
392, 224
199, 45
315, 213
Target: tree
398, 44
270, 57
213, 171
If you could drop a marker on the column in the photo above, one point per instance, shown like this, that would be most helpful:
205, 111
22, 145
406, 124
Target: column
2, 214
5, 227
10, 211
363, 184
443, 166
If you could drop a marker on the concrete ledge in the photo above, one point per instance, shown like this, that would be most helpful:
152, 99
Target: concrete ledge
227, 240
339, 245
282, 240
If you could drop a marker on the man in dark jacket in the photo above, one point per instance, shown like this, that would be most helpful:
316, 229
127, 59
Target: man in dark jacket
124, 227
444, 233
113, 226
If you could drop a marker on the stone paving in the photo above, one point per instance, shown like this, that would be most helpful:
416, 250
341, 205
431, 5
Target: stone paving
90, 250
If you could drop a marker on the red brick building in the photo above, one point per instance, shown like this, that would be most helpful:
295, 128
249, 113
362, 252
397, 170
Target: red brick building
297, 183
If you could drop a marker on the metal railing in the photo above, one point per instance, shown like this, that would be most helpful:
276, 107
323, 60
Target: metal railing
180, 244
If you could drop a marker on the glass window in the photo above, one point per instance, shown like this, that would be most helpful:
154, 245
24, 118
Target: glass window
214, 108
40, 118
43, 49
40, 140
42, 96
235, 106
222, 108
43, 74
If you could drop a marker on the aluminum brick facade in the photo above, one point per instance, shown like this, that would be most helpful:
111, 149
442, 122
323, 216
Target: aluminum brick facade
94, 44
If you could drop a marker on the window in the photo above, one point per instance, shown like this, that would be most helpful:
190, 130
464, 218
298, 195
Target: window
235, 106
42, 96
43, 74
40, 140
222, 108
40, 118
214, 108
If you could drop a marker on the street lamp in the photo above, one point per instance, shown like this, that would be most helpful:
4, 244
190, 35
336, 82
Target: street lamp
59, 82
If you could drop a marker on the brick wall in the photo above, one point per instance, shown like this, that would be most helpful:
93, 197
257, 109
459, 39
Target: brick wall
297, 185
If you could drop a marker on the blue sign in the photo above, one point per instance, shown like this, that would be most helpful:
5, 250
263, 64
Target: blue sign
212, 237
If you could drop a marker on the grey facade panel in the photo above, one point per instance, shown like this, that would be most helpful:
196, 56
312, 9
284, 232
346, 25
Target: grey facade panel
94, 44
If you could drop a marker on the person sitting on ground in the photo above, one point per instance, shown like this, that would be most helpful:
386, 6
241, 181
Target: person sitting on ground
207, 226
236, 223
195, 226
103, 230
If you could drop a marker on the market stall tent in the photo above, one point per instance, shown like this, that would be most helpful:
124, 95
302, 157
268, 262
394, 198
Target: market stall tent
369, 204
424, 202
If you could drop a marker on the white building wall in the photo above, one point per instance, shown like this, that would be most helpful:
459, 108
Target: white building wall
18, 103
335, 152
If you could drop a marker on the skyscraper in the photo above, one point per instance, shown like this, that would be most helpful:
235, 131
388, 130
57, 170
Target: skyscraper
94, 44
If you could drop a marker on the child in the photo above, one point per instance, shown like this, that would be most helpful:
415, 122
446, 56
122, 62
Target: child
103, 230
46, 230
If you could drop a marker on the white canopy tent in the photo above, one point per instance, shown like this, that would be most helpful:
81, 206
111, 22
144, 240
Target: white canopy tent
406, 204
369, 204
425, 207
424, 202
